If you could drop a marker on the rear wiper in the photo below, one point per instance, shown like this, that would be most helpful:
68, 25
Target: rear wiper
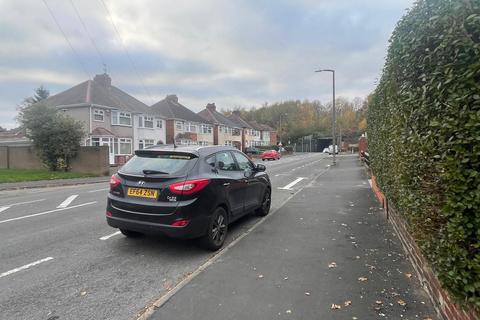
148, 171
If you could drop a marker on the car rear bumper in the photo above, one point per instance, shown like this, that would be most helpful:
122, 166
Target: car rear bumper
195, 228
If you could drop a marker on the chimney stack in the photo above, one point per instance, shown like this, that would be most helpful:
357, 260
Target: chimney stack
172, 97
211, 107
103, 79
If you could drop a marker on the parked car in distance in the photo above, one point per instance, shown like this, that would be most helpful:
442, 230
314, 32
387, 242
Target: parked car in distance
330, 149
187, 192
326, 150
252, 150
271, 155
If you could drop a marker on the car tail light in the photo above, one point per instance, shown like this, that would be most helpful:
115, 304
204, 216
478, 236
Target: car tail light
180, 223
108, 213
114, 181
189, 186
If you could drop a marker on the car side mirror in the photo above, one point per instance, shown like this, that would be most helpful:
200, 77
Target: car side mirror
260, 167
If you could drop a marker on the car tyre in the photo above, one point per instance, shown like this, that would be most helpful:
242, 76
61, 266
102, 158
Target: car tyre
217, 230
266, 203
130, 233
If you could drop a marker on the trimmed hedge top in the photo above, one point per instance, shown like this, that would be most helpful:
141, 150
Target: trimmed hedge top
424, 136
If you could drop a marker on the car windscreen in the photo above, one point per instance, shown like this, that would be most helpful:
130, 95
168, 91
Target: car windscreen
153, 163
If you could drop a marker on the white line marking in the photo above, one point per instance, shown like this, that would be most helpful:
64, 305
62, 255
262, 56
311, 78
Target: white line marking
110, 235
3, 208
46, 212
25, 202
67, 201
25, 267
103, 189
291, 184
148, 310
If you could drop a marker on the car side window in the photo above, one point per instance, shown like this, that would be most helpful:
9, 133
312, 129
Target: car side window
211, 161
225, 161
243, 162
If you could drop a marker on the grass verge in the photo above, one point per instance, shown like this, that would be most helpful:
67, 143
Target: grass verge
19, 175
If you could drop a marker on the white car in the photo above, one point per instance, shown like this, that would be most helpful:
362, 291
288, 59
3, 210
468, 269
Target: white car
325, 150
330, 149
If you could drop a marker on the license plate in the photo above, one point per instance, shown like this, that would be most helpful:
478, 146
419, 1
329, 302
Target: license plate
143, 193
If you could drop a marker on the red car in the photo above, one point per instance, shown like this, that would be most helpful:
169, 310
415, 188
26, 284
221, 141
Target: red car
271, 154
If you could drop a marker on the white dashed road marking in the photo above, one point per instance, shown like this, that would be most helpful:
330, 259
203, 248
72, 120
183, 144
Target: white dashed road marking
110, 235
291, 184
7, 273
46, 212
3, 208
67, 201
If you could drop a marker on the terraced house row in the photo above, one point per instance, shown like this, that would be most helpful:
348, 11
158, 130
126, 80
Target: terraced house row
113, 118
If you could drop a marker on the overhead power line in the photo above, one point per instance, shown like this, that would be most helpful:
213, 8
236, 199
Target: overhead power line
127, 53
100, 55
66, 39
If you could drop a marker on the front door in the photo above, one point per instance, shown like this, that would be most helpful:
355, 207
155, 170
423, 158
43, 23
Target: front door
109, 142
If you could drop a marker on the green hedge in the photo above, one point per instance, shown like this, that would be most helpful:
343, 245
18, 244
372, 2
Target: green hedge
424, 136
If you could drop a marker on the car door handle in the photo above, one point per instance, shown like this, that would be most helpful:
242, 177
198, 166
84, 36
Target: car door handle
226, 184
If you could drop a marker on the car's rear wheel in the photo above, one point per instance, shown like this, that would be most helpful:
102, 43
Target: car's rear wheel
266, 203
217, 230
130, 233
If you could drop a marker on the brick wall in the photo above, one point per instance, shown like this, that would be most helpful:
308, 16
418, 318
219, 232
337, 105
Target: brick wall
444, 306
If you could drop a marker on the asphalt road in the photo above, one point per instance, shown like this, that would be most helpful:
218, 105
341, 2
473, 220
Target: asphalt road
60, 260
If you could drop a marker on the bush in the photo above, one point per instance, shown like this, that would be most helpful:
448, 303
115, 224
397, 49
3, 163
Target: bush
424, 136
55, 136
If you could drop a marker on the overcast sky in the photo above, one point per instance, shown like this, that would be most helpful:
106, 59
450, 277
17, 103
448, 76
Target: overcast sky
233, 53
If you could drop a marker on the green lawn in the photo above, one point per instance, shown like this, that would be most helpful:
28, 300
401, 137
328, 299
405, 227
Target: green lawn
18, 175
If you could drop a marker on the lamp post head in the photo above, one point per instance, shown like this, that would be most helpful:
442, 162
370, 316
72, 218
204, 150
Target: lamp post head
325, 70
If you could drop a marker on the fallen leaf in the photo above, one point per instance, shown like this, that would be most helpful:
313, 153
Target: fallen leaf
83, 293
288, 311
379, 302
286, 278
347, 303
307, 293
335, 306
332, 265
401, 302
260, 276
362, 279
408, 275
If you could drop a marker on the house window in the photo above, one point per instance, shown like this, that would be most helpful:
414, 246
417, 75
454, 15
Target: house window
190, 127
121, 118
140, 122
159, 124
124, 146
98, 115
144, 143
148, 122
95, 142
206, 129
203, 143
179, 125
228, 143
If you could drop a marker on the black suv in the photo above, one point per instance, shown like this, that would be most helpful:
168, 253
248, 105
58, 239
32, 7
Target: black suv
187, 192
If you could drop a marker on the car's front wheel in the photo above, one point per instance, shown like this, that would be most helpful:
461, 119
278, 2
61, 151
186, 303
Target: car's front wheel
217, 230
266, 203
130, 233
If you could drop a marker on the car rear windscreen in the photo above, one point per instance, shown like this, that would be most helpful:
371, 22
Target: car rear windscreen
152, 163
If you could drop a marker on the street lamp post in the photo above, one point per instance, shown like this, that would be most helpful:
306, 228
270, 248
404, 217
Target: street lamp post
280, 134
333, 111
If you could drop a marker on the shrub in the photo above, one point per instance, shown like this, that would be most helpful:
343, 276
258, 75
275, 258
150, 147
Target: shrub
424, 136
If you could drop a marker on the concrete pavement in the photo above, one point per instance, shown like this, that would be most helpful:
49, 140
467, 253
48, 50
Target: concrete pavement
328, 253
64, 262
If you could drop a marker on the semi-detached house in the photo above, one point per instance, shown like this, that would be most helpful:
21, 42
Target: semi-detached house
225, 131
183, 126
110, 117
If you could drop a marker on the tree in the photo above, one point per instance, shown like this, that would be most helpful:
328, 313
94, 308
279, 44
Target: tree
55, 136
40, 94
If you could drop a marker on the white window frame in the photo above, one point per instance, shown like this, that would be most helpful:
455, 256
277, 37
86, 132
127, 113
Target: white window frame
118, 115
191, 127
149, 120
95, 141
121, 141
159, 123
206, 129
179, 125
98, 112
